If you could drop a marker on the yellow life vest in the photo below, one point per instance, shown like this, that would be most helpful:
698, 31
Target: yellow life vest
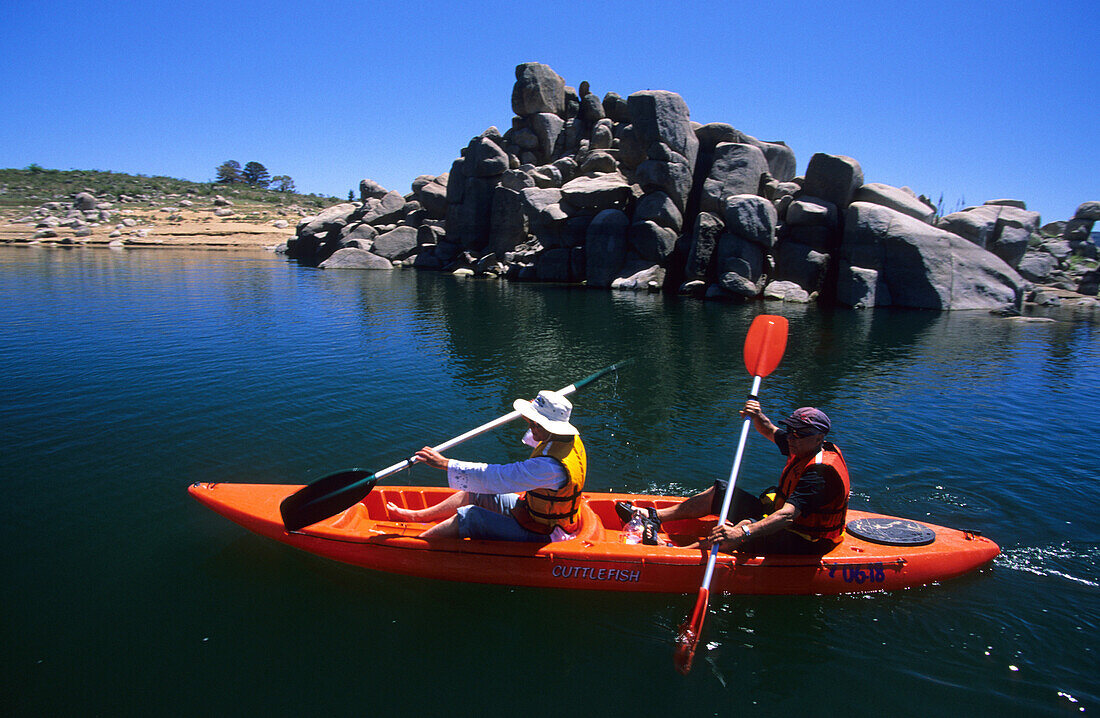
540, 510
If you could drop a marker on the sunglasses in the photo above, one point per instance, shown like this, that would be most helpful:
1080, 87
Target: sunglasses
802, 433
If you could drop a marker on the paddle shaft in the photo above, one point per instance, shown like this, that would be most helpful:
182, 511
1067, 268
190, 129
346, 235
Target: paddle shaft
500, 421
728, 498
764, 347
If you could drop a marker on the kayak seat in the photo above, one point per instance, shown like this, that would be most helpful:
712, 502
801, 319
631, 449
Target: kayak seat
591, 528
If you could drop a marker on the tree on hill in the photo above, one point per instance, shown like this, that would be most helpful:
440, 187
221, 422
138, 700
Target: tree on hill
228, 172
282, 183
256, 175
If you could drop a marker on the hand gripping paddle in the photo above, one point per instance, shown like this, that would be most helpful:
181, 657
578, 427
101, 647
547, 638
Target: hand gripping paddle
764, 347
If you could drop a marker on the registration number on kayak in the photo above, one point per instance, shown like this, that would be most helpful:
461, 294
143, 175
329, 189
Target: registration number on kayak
859, 573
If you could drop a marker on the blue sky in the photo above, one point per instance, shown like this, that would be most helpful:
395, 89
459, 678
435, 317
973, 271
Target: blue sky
977, 100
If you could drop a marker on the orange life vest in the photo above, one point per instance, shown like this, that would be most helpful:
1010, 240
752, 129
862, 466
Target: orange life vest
540, 510
826, 521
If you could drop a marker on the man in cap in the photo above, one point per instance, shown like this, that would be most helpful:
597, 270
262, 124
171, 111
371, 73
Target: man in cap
488, 504
807, 515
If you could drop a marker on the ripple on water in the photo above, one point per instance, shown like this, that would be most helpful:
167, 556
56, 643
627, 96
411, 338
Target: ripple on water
1069, 560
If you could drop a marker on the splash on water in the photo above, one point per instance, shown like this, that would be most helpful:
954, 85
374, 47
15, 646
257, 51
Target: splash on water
1067, 560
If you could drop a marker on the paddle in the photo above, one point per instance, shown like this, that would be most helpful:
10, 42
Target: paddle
332, 494
764, 346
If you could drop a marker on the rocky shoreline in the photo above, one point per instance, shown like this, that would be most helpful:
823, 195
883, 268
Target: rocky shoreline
630, 194
174, 219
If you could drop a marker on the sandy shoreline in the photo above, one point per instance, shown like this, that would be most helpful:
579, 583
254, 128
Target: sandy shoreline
233, 235
152, 227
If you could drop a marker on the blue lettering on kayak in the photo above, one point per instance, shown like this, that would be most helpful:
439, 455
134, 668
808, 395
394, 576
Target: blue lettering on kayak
862, 573
593, 574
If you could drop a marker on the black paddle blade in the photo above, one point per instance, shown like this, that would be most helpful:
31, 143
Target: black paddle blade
325, 497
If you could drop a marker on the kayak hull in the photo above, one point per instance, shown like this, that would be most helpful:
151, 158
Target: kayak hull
596, 559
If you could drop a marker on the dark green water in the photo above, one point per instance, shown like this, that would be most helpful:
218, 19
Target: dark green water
129, 375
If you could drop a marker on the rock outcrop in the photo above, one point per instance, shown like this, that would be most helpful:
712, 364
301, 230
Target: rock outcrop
629, 193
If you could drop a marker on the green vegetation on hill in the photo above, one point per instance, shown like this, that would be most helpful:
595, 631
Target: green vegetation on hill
34, 185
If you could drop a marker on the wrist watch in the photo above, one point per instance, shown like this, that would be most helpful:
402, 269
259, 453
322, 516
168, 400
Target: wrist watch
745, 531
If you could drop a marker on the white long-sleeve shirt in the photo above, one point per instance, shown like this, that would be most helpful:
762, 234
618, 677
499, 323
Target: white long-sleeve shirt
541, 472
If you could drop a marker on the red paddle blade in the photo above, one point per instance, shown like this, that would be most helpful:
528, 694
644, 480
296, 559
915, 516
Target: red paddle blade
688, 638
765, 344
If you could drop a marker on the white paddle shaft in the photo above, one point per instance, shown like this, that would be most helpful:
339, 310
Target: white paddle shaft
450, 443
728, 498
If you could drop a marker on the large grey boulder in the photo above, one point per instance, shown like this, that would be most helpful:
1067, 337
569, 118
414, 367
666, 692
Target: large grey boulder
546, 126
386, 210
517, 180
546, 218
616, 107
485, 158
740, 265
782, 291
704, 242
641, 279
802, 265
922, 266
659, 207
1089, 211
591, 109
351, 258
560, 264
605, 247
398, 243
737, 169
661, 116
1002, 229
508, 221
1090, 283
601, 191
433, 198
782, 165
1077, 230
369, 189
1037, 266
807, 211
599, 162
751, 217
330, 218
713, 134
603, 135
860, 288
84, 201
651, 241
538, 200
362, 232
538, 89
1060, 249
896, 199
468, 221
672, 176
833, 178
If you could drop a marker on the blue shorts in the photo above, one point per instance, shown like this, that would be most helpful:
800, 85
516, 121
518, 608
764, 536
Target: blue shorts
490, 517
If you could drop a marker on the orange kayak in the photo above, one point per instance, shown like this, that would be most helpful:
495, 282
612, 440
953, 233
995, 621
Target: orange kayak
597, 558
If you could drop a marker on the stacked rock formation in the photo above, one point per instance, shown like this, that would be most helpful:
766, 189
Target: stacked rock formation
631, 194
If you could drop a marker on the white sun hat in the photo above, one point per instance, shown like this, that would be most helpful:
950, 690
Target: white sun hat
549, 410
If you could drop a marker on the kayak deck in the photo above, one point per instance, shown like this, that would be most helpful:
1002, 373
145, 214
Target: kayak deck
365, 535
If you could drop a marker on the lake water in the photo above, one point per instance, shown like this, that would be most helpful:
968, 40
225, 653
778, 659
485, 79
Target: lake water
128, 375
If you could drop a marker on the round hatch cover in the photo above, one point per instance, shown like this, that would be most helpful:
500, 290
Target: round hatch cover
892, 532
